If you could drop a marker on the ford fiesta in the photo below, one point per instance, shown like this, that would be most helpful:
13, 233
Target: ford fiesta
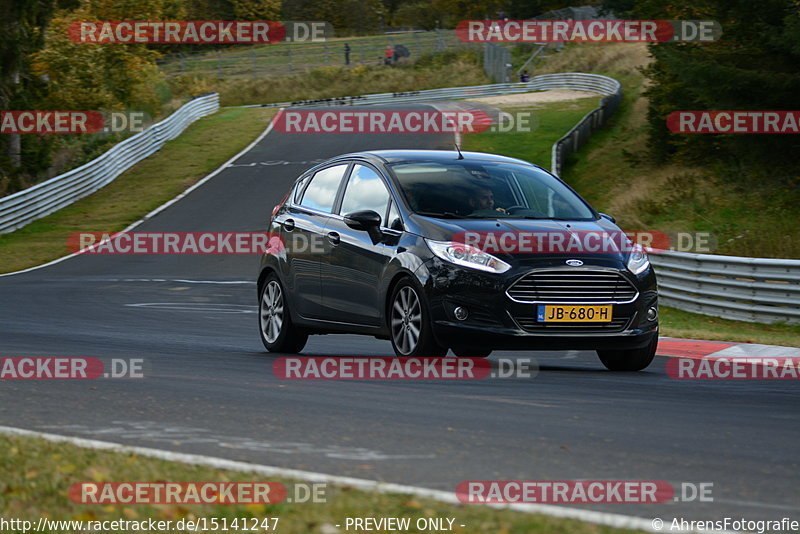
438, 250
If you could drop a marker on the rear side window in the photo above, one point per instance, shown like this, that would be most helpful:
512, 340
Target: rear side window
365, 191
320, 194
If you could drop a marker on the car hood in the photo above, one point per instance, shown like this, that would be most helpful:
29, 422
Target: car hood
486, 229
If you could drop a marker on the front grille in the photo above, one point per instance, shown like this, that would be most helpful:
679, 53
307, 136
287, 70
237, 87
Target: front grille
573, 287
529, 324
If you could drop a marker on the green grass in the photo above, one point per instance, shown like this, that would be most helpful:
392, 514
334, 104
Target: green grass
179, 164
37, 475
552, 120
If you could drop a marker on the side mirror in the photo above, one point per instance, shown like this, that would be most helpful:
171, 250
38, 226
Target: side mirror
609, 217
366, 220
362, 220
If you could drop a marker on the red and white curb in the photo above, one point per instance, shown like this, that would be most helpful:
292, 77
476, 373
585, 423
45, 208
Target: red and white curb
700, 349
694, 359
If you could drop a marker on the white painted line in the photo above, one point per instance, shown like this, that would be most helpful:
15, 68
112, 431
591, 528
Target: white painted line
589, 516
162, 207
223, 282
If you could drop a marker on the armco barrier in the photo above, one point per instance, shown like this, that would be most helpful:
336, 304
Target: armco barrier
761, 290
566, 80
44, 198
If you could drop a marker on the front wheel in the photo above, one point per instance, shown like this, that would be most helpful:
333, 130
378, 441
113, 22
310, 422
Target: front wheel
278, 333
410, 322
629, 360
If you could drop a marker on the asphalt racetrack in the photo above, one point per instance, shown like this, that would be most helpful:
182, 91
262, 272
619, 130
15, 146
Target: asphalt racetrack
209, 387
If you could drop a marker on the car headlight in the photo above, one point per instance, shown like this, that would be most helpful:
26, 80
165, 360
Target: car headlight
467, 256
637, 261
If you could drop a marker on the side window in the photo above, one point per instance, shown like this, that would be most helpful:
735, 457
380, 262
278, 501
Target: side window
320, 194
365, 191
299, 188
394, 221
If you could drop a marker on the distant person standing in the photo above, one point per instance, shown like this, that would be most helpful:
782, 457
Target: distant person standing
525, 77
346, 53
388, 55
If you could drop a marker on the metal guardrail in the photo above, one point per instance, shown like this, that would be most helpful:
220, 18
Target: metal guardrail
565, 80
760, 290
580, 133
42, 199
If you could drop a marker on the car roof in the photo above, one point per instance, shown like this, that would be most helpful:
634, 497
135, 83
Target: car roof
404, 156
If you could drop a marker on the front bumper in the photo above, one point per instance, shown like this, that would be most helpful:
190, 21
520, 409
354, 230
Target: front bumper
497, 322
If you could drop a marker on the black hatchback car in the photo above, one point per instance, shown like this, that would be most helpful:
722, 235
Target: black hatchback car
438, 250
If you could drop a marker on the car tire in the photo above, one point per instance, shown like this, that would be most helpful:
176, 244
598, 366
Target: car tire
409, 318
278, 333
466, 352
629, 360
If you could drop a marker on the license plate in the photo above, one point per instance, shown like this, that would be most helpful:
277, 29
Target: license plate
549, 313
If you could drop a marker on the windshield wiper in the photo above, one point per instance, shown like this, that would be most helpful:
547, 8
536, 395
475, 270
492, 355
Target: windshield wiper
444, 215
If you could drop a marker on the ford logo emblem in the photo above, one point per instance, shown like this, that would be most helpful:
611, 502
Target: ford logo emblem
574, 263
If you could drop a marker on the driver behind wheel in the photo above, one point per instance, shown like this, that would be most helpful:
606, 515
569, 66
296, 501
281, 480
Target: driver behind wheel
482, 199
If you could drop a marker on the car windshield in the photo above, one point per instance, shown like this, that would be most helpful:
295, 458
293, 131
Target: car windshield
487, 190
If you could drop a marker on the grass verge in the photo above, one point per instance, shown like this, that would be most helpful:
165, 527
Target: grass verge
139, 190
550, 120
39, 473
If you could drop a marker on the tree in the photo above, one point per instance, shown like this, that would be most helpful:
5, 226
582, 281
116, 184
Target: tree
99, 76
22, 30
752, 67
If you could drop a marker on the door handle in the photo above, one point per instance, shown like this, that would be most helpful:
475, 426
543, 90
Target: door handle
334, 238
288, 225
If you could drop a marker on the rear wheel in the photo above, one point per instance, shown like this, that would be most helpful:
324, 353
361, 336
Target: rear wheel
278, 333
629, 360
410, 322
